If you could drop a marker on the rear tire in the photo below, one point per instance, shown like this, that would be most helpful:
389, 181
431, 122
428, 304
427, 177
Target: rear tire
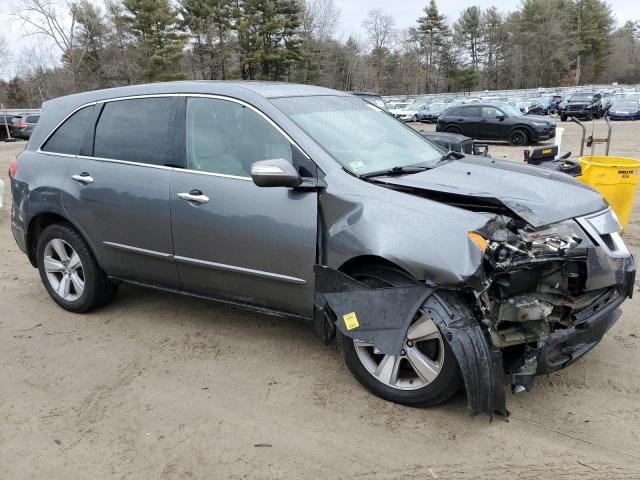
363, 362
70, 272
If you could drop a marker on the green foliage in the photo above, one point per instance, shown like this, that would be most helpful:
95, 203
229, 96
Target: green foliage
154, 24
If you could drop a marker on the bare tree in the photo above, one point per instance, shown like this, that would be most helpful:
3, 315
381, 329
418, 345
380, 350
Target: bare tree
57, 21
381, 35
5, 56
320, 19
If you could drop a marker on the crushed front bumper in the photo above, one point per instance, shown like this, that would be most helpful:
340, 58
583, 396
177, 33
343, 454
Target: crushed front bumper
563, 347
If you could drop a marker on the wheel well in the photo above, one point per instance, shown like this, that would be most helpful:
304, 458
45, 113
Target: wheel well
523, 128
357, 263
36, 226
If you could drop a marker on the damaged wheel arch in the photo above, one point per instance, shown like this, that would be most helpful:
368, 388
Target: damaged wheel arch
384, 313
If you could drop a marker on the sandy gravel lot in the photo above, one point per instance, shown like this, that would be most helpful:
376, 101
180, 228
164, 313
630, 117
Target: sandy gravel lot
160, 387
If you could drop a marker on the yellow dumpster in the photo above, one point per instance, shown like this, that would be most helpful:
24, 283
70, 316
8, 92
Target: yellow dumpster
616, 178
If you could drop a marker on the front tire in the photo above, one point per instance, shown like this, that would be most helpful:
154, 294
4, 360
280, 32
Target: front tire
518, 138
424, 375
70, 272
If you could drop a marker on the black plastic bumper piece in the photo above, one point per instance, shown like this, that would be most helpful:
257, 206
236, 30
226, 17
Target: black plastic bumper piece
560, 349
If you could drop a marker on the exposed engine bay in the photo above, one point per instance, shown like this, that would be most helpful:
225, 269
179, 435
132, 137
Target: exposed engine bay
542, 281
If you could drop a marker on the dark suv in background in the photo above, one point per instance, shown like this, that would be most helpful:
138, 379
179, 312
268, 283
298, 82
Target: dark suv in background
488, 121
22, 125
432, 269
585, 105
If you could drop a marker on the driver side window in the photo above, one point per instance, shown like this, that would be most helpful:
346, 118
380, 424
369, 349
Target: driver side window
226, 137
491, 113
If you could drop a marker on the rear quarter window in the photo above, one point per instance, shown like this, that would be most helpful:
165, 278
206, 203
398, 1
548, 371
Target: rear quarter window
67, 138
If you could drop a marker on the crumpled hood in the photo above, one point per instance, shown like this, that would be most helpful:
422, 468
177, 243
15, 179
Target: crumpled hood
538, 196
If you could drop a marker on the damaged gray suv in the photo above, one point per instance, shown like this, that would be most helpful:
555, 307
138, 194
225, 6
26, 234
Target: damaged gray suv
434, 270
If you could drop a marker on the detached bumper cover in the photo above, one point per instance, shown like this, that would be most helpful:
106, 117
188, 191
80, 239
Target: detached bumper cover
562, 348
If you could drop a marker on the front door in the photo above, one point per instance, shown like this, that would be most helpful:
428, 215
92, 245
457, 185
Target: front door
118, 191
493, 125
233, 239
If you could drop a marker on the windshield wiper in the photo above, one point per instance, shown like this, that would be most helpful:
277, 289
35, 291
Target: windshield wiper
406, 170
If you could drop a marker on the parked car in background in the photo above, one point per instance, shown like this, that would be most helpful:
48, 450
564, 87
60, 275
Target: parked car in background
410, 112
496, 122
585, 105
433, 270
372, 98
431, 113
395, 108
623, 109
22, 125
453, 142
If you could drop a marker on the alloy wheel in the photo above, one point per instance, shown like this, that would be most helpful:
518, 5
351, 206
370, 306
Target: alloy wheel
518, 138
64, 269
419, 363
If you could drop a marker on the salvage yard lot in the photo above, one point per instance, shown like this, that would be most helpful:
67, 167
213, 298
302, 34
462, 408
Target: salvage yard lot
161, 386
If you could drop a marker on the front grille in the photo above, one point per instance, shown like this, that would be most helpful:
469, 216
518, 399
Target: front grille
575, 108
467, 147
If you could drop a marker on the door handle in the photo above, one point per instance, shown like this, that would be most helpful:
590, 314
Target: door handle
195, 196
83, 178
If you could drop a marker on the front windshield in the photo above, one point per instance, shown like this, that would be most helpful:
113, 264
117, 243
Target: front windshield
581, 98
437, 107
359, 136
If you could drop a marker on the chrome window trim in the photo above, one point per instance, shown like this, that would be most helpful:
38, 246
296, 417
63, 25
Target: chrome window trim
161, 167
161, 95
184, 95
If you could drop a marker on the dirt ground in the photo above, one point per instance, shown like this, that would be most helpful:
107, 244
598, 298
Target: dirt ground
156, 386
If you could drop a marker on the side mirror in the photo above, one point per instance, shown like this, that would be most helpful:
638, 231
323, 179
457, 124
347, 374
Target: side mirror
276, 172
500, 117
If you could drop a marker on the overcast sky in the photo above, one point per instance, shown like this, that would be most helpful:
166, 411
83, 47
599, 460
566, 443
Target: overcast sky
405, 13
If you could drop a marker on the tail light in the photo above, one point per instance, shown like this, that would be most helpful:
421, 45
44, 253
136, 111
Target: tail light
13, 168
21, 124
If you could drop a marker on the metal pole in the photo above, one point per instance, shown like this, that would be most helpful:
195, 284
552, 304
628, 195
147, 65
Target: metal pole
606, 118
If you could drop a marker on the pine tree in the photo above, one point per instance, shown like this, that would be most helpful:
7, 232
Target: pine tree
154, 23
210, 23
431, 32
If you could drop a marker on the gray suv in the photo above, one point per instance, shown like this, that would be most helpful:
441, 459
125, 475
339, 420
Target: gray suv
432, 269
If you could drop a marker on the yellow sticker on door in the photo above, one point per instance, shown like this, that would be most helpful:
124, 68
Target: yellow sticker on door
350, 321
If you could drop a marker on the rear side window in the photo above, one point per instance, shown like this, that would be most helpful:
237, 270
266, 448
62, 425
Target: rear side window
471, 111
135, 130
67, 138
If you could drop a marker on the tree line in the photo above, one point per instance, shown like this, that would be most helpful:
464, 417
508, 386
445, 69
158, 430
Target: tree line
93, 45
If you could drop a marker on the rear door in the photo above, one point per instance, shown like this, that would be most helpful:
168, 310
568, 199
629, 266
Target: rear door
241, 242
470, 121
117, 189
